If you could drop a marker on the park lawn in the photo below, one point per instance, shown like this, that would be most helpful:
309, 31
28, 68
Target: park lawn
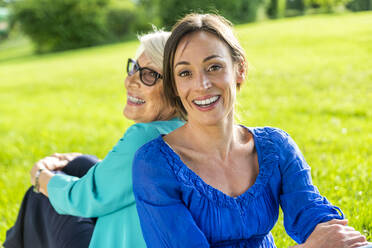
311, 76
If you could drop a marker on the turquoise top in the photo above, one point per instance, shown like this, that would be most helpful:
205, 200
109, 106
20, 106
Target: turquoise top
106, 190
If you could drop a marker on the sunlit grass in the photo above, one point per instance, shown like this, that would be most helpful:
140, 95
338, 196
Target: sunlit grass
311, 76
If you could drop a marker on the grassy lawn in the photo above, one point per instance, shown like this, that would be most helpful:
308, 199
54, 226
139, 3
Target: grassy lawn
311, 76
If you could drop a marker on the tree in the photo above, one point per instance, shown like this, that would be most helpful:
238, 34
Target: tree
169, 11
62, 24
327, 5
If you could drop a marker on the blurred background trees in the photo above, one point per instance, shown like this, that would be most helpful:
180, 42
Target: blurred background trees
54, 25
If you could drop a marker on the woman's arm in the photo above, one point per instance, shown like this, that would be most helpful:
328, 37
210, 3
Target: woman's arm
165, 220
47, 166
107, 186
334, 233
308, 216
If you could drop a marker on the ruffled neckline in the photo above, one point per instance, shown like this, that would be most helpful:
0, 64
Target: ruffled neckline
267, 159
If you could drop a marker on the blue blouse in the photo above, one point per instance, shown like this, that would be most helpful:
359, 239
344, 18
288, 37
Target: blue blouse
178, 209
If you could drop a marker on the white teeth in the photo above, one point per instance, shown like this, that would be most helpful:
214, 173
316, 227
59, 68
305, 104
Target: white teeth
206, 101
135, 100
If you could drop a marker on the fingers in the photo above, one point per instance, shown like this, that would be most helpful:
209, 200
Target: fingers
59, 155
51, 163
349, 237
57, 161
337, 234
359, 244
355, 239
348, 228
66, 156
337, 221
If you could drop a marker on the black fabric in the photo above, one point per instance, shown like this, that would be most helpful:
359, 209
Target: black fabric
38, 225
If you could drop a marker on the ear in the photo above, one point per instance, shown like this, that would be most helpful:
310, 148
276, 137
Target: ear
240, 73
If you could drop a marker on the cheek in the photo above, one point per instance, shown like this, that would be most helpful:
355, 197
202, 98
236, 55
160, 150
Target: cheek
126, 83
182, 87
182, 93
230, 87
157, 96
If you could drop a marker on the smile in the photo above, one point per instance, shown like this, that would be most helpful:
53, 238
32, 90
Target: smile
135, 100
206, 102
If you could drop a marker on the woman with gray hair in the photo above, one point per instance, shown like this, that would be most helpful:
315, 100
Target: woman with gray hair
99, 192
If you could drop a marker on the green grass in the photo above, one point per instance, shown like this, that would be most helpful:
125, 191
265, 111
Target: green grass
311, 76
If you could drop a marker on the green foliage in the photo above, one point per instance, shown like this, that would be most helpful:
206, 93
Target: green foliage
277, 8
310, 76
124, 18
326, 5
120, 20
62, 24
4, 22
169, 11
360, 5
295, 8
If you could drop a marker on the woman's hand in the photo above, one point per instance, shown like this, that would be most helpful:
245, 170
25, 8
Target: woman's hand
39, 165
51, 163
57, 161
336, 234
66, 156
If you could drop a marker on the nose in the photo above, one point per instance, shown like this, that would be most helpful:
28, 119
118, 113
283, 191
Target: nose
203, 81
132, 81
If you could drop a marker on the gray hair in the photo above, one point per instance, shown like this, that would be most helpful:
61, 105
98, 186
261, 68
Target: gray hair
152, 44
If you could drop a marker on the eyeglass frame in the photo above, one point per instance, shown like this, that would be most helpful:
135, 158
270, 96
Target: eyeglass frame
137, 68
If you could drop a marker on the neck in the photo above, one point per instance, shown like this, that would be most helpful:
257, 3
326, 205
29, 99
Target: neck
166, 116
216, 139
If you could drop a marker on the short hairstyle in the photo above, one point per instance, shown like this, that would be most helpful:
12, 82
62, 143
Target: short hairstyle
152, 44
214, 24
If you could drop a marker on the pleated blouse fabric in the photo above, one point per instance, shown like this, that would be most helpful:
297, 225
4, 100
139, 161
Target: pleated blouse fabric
178, 209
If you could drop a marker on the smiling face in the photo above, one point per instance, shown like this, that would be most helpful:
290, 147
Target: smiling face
145, 103
206, 77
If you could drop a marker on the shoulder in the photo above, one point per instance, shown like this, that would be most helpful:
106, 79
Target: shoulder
153, 169
155, 127
283, 144
141, 133
151, 151
153, 158
272, 134
158, 127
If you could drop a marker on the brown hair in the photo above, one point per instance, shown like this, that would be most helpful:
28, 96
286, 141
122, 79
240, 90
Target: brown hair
211, 23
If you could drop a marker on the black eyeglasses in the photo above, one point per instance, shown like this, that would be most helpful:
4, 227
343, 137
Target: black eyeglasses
147, 76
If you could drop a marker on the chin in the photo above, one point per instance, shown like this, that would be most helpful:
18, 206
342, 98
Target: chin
129, 114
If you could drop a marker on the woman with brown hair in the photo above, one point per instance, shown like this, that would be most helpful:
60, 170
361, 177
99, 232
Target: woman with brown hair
213, 183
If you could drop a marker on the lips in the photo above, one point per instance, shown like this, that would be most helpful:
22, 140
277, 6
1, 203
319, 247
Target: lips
135, 100
206, 102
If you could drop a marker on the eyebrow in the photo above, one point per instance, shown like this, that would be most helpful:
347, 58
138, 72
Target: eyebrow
204, 60
211, 57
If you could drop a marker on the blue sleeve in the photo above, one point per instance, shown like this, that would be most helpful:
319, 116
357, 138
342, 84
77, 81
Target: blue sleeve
301, 202
165, 220
107, 187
